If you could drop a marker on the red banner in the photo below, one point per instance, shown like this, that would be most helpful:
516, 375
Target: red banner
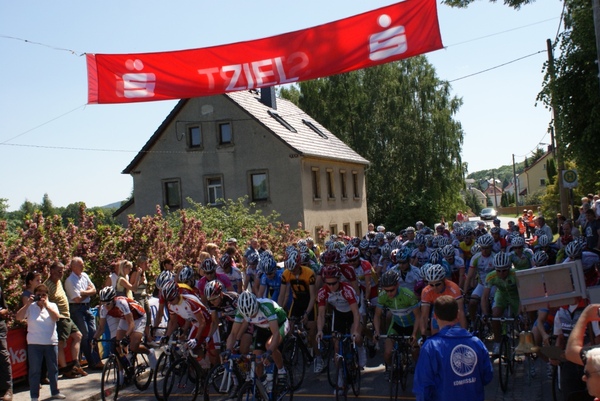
390, 33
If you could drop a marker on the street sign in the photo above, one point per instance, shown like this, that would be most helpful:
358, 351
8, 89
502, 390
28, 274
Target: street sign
569, 178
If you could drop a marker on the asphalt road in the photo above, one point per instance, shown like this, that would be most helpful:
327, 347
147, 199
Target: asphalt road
521, 385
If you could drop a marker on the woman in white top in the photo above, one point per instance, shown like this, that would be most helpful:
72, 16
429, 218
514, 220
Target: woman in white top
42, 340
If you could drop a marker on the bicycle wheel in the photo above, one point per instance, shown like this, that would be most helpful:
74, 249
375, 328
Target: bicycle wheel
181, 380
142, 373
162, 365
293, 358
404, 371
111, 377
282, 389
330, 366
504, 367
249, 392
394, 376
224, 381
341, 385
354, 373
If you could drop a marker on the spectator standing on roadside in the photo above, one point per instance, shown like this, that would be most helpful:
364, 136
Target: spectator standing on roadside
79, 289
591, 230
124, 287
541, 222
236, 255
65, 327
453, 364
42, 341
5, 368
139, 280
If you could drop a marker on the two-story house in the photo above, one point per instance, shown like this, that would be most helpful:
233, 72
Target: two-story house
534, 178
250, 143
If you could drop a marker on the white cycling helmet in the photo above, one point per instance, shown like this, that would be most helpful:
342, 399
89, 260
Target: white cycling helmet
247, 304
502, 260
540, 258
435, 273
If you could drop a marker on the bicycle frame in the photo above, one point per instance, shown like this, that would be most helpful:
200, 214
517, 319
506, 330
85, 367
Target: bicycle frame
339, 356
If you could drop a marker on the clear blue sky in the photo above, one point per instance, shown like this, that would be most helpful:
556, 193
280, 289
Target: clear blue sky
80, 156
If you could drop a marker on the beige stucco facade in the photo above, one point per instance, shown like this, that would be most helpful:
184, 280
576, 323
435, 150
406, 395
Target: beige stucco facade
535, 177
169, 160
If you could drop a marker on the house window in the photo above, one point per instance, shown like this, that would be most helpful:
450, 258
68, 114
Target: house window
195, 137
225, 134
355, 184
214, 189
260, 187
314, 128
343, 185
542, 182
330, 192
172, 194
316, 183
358, 229
333, 229
347, 229
281, 121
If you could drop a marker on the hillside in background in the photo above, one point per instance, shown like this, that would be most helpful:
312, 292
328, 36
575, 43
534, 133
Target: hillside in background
503, 173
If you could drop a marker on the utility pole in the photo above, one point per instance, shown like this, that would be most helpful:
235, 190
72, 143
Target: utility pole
515, 184
564, 206
495, 193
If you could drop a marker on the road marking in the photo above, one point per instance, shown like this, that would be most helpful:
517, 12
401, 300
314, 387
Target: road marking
371, 397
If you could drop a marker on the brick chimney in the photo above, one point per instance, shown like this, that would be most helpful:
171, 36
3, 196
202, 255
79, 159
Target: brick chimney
268, 98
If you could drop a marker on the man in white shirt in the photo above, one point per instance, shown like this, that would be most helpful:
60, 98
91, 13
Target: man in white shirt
79, 289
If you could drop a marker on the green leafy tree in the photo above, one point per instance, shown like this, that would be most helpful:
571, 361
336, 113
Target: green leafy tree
473, 203
400, 117
575, 93
3, 208
47, 208
464, 3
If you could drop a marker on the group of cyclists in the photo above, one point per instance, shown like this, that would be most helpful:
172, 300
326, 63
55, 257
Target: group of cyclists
381, 284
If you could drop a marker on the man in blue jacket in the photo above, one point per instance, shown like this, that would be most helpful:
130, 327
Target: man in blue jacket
452, 365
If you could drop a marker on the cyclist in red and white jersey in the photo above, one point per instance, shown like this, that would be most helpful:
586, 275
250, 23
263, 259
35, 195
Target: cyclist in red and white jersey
132, 320
344, 301
196, 315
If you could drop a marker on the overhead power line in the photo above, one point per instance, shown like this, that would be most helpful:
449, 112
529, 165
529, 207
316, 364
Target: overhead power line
497, 66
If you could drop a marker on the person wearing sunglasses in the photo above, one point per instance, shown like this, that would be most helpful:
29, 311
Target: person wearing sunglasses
438, 285
222, 305
504, 279
209, 273
581, 355
481, 264
42, 340
403, 306
519, 255
190, 309
344, 301
131, 321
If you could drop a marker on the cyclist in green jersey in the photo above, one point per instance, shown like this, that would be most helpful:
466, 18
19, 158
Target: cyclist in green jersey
404, 308
507, 294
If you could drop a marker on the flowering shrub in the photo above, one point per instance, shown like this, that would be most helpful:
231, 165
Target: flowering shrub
180, 235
